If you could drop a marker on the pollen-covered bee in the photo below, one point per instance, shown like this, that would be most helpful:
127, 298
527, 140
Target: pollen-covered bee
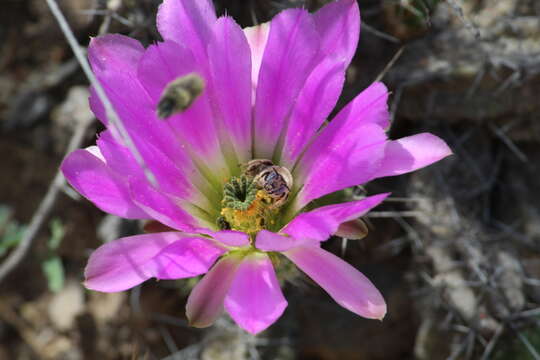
179, 94
277, 182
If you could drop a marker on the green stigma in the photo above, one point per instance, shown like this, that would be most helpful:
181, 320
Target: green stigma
239, 193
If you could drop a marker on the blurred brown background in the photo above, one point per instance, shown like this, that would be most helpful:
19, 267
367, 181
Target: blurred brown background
456, 253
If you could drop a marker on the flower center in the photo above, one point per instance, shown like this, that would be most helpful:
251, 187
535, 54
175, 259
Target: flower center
252, 201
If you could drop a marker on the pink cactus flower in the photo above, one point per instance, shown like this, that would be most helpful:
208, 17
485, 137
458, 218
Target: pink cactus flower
267, 92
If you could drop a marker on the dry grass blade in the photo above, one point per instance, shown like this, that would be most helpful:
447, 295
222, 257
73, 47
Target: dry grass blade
390, 64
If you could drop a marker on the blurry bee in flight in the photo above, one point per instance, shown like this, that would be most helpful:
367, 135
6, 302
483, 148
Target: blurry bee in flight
179, 94
277, 182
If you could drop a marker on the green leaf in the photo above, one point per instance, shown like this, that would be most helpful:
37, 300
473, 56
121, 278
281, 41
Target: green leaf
57, 233
5, 216
54, 272
11, 237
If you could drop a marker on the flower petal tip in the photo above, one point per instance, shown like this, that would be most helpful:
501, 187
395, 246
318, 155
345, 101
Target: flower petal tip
198, 324
90, 285
255, 326
375, 311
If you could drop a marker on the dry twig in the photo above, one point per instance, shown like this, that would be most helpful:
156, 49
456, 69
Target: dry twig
42, 211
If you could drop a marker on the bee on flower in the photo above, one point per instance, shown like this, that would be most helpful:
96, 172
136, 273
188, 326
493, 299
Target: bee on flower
229, 122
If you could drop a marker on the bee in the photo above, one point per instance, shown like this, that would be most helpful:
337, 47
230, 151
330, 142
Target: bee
256, 166
179, 94
276, 181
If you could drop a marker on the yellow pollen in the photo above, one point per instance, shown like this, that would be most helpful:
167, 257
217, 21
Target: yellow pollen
258, 216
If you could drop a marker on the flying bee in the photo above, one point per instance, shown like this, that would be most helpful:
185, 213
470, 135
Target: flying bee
256, 166
179, 94
277, 181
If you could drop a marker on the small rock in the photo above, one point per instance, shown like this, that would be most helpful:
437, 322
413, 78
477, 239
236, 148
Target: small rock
105, 306
66, 305
224, 344
511, 280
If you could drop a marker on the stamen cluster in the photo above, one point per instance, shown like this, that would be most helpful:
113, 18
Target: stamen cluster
249, 201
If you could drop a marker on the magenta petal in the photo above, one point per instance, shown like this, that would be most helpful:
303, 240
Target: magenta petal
255, 300
161, 207
127, 262
187, 22
346, 285
119, 77
118, 157
289, 58
321, 223
205, 303
114, 53
312, 227
97, 107
315, 102
270, 241
189, 257
230, 69
162, 63
257, 37
348, 151
338, 23
343, 155
113, 57
195, 127
231, 237
171, 179
99, 184
370, 106
411, 153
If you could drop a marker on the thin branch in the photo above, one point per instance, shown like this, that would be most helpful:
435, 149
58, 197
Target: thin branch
508, 142
43, 210
379, 33
393, 214
168, 339
390, 64
109, 109
526, 342
403, 199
